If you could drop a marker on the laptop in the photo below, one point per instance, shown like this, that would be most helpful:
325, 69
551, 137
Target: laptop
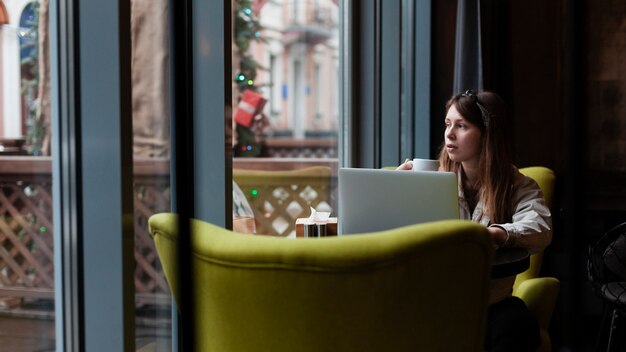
376, 199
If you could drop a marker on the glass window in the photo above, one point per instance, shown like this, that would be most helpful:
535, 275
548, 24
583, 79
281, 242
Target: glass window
151, 153
26, 232
286, 53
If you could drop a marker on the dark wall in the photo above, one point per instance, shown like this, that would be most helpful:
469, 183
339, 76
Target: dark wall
605, 83
543, 136
604, 117
535, 81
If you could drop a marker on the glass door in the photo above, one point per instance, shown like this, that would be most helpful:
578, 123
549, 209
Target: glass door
150, 72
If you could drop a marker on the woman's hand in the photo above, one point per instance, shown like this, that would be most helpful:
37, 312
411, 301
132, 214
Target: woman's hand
407, 165
498, 235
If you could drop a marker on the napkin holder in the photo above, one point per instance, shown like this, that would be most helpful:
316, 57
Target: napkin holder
331, 226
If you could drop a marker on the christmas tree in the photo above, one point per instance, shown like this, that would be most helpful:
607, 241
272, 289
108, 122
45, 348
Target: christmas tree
247, 30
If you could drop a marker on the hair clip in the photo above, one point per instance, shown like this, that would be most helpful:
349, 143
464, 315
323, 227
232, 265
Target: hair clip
483, 111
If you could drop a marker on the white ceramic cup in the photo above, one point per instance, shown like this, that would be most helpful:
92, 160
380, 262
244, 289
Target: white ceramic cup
425, 165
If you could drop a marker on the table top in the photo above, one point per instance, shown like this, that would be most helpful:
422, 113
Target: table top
509, 262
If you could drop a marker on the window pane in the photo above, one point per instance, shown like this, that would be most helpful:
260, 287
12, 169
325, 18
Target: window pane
26, 242
149, 28
286, 117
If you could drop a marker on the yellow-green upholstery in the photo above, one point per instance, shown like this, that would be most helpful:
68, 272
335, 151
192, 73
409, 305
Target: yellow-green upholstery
395, 290
539, 294
545, 179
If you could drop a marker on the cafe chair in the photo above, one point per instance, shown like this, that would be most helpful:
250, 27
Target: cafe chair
606, 269
394, 290
540, 296
539, 293
545, 179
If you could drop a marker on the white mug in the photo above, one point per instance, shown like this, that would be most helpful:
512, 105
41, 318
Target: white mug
425, 165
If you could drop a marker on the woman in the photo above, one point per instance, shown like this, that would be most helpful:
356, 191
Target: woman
494, 193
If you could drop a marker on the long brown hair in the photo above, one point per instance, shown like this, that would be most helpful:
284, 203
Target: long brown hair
496, 171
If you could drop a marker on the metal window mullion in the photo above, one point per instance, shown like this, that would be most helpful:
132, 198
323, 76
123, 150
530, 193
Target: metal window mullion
92, 175
380, 130
375, 118
421, 52
346, 73
201, 153
364, 85
105, 118
389, 82
182, 174
407, 107
65, 175
212, 105
377, 123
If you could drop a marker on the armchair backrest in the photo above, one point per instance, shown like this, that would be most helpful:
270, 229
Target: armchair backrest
545, 179
395, 290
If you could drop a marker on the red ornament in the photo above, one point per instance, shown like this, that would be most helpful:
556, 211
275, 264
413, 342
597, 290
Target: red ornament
251, 104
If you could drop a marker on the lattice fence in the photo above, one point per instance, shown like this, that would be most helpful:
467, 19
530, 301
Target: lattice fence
26, 257
26, 238
278, 198
152, 195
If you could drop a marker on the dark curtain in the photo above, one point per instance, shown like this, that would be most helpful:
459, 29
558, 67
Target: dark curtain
482, 55
468, 57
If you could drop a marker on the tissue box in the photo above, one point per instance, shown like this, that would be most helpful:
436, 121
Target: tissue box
331, 226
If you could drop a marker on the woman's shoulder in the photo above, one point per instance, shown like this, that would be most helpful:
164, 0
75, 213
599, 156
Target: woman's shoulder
523, 183
519, 177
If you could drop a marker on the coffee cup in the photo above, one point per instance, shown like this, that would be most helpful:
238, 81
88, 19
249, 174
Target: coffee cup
425, 165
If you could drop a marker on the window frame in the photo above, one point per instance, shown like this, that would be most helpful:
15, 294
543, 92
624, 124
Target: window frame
379, 128
91, 107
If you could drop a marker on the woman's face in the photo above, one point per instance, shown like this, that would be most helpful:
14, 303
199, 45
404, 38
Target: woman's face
463, 139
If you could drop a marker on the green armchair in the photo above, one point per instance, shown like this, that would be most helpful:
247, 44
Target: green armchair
396, 290
545, 179
539, 293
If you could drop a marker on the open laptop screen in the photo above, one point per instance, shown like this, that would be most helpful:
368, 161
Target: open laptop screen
375, 199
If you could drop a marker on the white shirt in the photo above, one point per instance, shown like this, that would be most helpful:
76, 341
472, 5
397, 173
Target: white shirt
529, 231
